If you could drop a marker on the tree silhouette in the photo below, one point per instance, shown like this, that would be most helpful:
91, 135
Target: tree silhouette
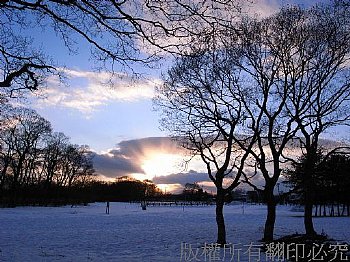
319, 80
121, 34
268, 80
34, 162
330, 180
297, 61
201, 102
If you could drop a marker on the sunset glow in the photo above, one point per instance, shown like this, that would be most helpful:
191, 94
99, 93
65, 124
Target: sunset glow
155, 164
170, 188
161, 164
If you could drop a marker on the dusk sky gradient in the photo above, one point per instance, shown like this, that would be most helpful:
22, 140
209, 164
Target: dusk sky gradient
117, 122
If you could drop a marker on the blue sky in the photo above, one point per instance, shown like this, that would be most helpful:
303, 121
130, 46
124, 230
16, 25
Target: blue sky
103, 122
98, 115
95, 115
109, 119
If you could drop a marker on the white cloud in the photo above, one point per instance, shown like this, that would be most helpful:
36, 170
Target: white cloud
88, 90
265, 8
262, 8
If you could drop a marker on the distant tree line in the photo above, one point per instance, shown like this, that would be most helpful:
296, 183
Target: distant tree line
37, 163
124, 189
194, 192
41, 167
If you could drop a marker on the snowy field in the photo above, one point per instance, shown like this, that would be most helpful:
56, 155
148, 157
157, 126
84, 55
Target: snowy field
86, 233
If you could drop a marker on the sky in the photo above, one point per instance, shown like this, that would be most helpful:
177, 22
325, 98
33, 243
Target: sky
118, 120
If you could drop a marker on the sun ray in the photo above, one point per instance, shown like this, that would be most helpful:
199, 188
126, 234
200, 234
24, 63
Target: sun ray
161, 164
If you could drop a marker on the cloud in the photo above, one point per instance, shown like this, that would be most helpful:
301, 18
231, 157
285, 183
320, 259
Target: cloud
89, 91
181, 179
265, 8
113, 166
191, 176
140, 158
129, 156
139, 146
262, 8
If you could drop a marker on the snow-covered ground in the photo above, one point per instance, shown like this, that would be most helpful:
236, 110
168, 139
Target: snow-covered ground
86, 233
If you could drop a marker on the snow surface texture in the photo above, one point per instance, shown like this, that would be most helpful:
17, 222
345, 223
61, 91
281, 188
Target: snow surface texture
86, 233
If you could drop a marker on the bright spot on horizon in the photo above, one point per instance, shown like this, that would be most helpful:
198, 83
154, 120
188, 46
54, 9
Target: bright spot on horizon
170, 188
161, 164
157, 164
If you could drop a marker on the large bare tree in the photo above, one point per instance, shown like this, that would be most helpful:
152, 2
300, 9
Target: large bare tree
202, 108
34, 158
319, 76
257, 48
121, 34
286, 70
297, 62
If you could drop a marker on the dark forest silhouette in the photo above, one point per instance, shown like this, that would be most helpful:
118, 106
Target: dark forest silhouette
330, 181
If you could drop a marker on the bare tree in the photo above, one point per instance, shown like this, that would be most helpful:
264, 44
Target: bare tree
81, 166
22, 135
120, 33
36, 164
75, 166
319, 76
258, 49
53, 155
295, 62
275, 59
6, 149
201, 102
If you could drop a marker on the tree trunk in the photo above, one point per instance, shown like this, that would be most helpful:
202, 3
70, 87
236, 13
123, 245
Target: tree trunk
309, 226
271, 215
332, 210
309, 193
308, 204
3, 174
221, 238
316, 209
320, 211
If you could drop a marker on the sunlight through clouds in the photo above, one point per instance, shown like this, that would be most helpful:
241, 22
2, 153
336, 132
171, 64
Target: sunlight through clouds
162, 164
88, 91
170, 188
163, 161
